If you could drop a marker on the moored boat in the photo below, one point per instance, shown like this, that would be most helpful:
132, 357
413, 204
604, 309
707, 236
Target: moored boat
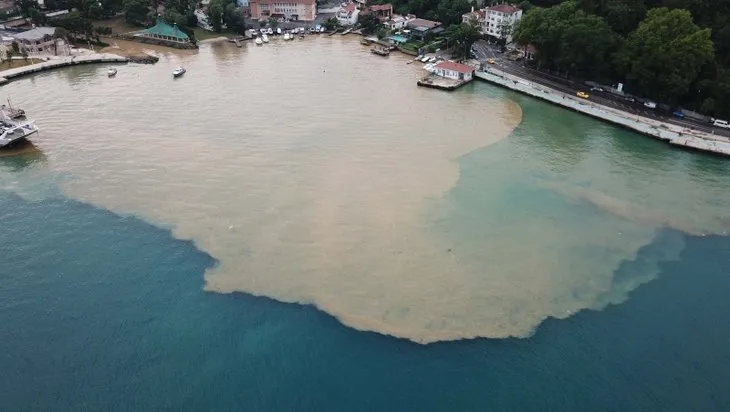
12, 112
178, 72
265, 38
380, 51
258, 41
11, 131
111, 72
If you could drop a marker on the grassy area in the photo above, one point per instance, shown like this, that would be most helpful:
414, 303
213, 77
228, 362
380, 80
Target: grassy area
118, 25
15, 63
201, 34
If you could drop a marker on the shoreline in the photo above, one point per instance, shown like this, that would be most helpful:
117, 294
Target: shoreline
7, 75
674, 135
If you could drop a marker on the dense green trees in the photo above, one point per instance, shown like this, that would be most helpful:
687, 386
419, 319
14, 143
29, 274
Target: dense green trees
664, 55
369, 23
675, 51
463, 36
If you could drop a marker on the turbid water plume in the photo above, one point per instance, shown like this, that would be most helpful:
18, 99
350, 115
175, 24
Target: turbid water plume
317, 173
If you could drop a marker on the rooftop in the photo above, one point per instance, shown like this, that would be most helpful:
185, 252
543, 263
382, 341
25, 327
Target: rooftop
306, 2
381, 7
457, 67
36, 34
504, 8
425, 24
163, 29
350, 7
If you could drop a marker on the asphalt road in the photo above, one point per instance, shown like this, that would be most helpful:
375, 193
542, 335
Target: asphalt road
483, 52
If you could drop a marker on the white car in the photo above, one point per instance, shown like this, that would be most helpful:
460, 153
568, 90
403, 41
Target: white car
650, 105
721, 123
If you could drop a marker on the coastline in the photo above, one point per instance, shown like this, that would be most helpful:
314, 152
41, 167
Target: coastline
7, 75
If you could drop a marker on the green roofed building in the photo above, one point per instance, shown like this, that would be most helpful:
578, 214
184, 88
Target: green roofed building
163, 31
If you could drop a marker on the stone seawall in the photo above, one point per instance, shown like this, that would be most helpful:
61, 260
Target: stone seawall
7, 75
675, 135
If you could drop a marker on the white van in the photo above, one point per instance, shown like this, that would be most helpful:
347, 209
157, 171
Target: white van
721, 123
650, 105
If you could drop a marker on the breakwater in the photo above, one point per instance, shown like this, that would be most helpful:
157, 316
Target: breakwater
672, 134
7, 75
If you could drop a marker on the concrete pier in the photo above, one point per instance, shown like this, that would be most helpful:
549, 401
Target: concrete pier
442, 83
675, 135
55, 63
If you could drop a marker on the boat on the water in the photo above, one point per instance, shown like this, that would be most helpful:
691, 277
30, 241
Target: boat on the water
278, 30
11, 131
380, 51
258, 41
111, 72
265, 38
178, 72
270, 31
12, 112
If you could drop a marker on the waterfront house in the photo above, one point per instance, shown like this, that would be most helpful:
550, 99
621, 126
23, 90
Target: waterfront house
420, 28
477, 17
382, 11
305, 10
397, 21
347, 14
501, 20
40, 40
453, 70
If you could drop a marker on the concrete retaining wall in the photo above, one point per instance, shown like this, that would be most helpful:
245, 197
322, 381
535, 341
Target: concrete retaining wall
673, 134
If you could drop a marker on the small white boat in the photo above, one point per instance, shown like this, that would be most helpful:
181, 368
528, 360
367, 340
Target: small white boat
278, 30
178, 72
111, 72
11, 131
270, 31
265, 38
287, 36
258, 41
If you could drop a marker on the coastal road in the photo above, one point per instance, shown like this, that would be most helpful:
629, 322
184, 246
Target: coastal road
482, 51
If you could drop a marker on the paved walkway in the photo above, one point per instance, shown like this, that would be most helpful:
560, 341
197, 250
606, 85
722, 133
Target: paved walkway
58, 62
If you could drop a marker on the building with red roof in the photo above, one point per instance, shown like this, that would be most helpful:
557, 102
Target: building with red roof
289, 9
501, 20
453, 70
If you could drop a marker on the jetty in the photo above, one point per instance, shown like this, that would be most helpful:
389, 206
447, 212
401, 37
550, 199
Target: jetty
380, 51
433, 81
55, 63
675, 135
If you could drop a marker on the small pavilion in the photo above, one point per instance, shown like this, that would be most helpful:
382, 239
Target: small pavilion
163, 31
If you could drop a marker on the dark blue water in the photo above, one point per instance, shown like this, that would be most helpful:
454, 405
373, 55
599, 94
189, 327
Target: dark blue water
101, 312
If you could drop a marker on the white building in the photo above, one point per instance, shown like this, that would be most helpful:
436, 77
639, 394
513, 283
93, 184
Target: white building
40, 40
347, 15
474, 16
452, 70
501, 21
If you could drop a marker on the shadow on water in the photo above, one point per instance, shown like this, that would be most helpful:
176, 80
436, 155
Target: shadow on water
103, 312
21, 154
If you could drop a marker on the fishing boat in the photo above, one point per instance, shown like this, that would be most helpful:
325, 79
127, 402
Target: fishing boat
12, 112
178, 72
380, 51
265, 38
111, 72
258, 41
11, 131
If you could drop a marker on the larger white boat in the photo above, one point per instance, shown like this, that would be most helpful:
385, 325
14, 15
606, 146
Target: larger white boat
11, 131
259, 42
265, 38
287, 36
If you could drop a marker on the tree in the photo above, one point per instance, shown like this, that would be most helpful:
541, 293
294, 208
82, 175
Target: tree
135, 11
15, 47
24, 53
664, 56
369, 23
569, 40
331, 24
215, 15
235, 19
273, 23
462, 36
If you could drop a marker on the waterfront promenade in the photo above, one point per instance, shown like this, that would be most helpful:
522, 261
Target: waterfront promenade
58, 62
673, 134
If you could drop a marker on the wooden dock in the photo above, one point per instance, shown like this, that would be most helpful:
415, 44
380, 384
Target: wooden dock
10, 74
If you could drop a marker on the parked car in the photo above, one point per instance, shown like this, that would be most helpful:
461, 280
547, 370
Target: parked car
582, 94
490, 61
650, 105
721, 123
596, 89
629, 99
678, 114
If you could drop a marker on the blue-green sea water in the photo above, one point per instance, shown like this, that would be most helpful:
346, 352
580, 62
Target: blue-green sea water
606, 252
101, 312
